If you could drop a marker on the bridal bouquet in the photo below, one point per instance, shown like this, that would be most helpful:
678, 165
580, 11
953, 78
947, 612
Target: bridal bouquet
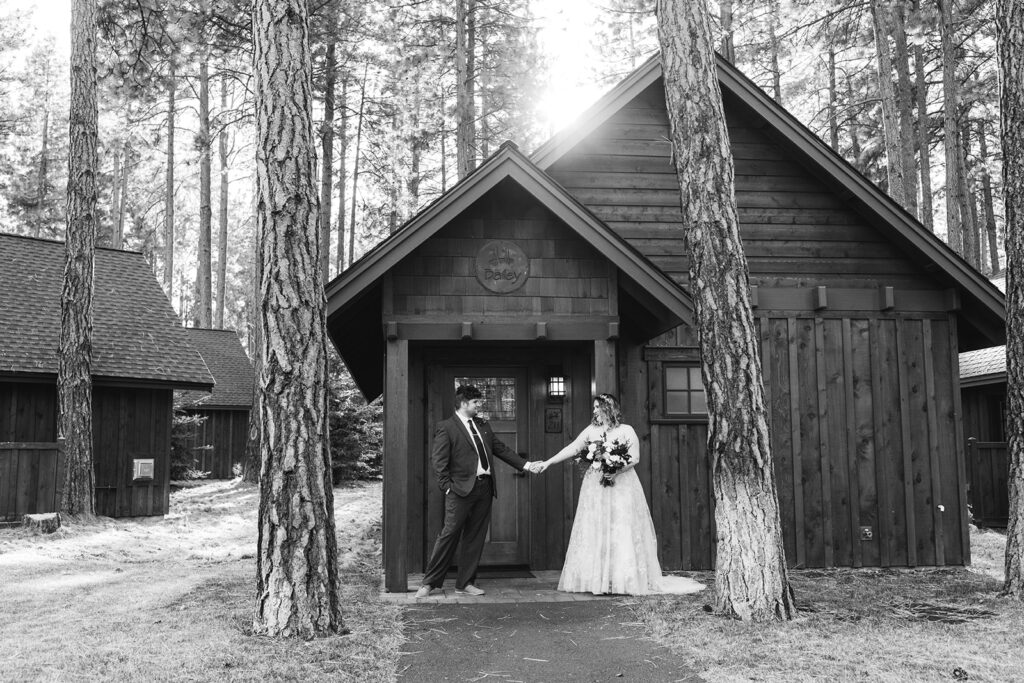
607, 456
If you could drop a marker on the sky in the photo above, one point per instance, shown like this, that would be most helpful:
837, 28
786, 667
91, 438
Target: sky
564, 36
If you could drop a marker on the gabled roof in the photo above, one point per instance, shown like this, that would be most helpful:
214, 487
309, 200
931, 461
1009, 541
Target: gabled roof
358, 286
222, 350
984, 306
137, 337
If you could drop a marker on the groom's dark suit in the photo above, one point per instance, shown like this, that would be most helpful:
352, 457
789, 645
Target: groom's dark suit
468, 497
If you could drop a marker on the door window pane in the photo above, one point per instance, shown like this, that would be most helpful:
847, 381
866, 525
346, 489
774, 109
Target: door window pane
499, 395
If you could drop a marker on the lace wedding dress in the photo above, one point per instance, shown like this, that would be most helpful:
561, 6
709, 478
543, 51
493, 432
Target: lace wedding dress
613, 548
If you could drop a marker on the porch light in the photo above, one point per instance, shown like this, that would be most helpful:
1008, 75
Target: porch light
556, 387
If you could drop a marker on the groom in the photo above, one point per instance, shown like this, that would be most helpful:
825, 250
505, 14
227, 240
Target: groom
463, 458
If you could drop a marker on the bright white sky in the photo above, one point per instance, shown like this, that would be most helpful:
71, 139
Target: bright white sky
565, 37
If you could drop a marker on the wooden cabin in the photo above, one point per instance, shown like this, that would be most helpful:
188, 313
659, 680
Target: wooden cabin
218, 442
983, 396
141, 354
545, 279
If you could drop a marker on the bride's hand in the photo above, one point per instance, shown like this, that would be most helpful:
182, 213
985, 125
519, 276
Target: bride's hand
540, 466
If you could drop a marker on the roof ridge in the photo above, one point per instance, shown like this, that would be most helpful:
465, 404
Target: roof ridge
50, 240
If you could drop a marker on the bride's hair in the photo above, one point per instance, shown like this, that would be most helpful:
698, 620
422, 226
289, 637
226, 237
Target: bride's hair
608, 406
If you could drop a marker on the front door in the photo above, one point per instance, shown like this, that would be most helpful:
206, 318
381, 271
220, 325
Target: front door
506, 409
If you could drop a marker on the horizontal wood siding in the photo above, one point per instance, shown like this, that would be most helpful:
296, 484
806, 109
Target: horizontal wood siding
567, 276
795, 229
218, 443
863, 427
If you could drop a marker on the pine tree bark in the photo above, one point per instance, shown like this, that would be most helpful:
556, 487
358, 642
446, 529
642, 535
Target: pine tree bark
833, 122
204, 299
986, 199
890, 116
342, 173
465, 95
728, 39
169, 189
773, 49
965, 196
74, 359
355, 169
297, 586
951, 105
327, 154
120, 206
1010, 54
927, 213
855, 148
115, 199
222, 214
751, 580
905, 104
44, 153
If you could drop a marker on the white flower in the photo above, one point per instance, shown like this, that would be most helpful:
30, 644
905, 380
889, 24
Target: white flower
592, 447
596, 466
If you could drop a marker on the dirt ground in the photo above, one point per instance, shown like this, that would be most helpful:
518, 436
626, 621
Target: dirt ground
171, 599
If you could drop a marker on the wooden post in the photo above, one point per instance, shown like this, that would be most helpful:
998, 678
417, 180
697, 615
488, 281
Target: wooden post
396, 472
606, 376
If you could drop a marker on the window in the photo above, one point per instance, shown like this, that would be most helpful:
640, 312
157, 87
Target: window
684, 391
499, 395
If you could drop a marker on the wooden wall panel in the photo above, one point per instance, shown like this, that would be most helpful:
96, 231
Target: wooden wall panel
863, 421
795, 228
218, 443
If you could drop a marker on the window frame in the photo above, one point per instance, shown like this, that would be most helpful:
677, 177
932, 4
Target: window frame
664, 416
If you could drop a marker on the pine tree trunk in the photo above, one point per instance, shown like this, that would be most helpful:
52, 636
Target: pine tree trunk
923, 147
115, 199
121, 204
465, 107
169, 196
728, 44
773, 49
964, 196
355, 169
43, 166
833, 123
327, 157
950, 103
252, 458
204, 266
1010, 52
751, 580
905, 104
855, 148
297, 587
74, 357
986, 198
890, 116
342, 174
222, 214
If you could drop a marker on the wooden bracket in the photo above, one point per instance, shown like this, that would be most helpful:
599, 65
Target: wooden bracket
391, 330
952, 300
542, 331
613, 330
887, 298
467, 330
753, 296
820, 298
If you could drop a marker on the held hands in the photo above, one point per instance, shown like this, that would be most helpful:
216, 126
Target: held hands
536, 467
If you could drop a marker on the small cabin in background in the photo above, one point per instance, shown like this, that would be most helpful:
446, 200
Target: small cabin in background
141, 354
544, 279
983, 396
218, 443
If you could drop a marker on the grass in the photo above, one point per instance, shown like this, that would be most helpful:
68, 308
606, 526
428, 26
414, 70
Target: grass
172, 599
866, 624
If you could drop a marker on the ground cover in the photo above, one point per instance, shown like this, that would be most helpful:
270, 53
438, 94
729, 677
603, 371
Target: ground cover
863, 624
171, 599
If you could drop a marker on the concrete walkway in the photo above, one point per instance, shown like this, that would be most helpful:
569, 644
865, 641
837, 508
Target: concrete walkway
542, 587
531, 642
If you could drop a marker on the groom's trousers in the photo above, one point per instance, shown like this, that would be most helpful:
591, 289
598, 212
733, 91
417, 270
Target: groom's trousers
465, 528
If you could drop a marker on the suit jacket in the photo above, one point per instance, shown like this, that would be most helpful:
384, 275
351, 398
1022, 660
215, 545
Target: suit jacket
455, 459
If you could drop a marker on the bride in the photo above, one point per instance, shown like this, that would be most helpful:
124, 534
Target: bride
613, 547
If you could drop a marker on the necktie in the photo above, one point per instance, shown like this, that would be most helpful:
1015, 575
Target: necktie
479, 445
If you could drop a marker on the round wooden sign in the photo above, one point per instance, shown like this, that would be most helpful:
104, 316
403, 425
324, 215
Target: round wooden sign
502, 266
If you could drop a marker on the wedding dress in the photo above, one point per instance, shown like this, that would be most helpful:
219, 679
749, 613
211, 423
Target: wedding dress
613, 547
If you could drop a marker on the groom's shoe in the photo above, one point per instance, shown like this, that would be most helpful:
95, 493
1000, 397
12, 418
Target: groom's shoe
424, 591
470, 589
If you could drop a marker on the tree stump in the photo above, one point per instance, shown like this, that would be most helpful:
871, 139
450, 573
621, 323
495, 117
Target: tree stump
45, 523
